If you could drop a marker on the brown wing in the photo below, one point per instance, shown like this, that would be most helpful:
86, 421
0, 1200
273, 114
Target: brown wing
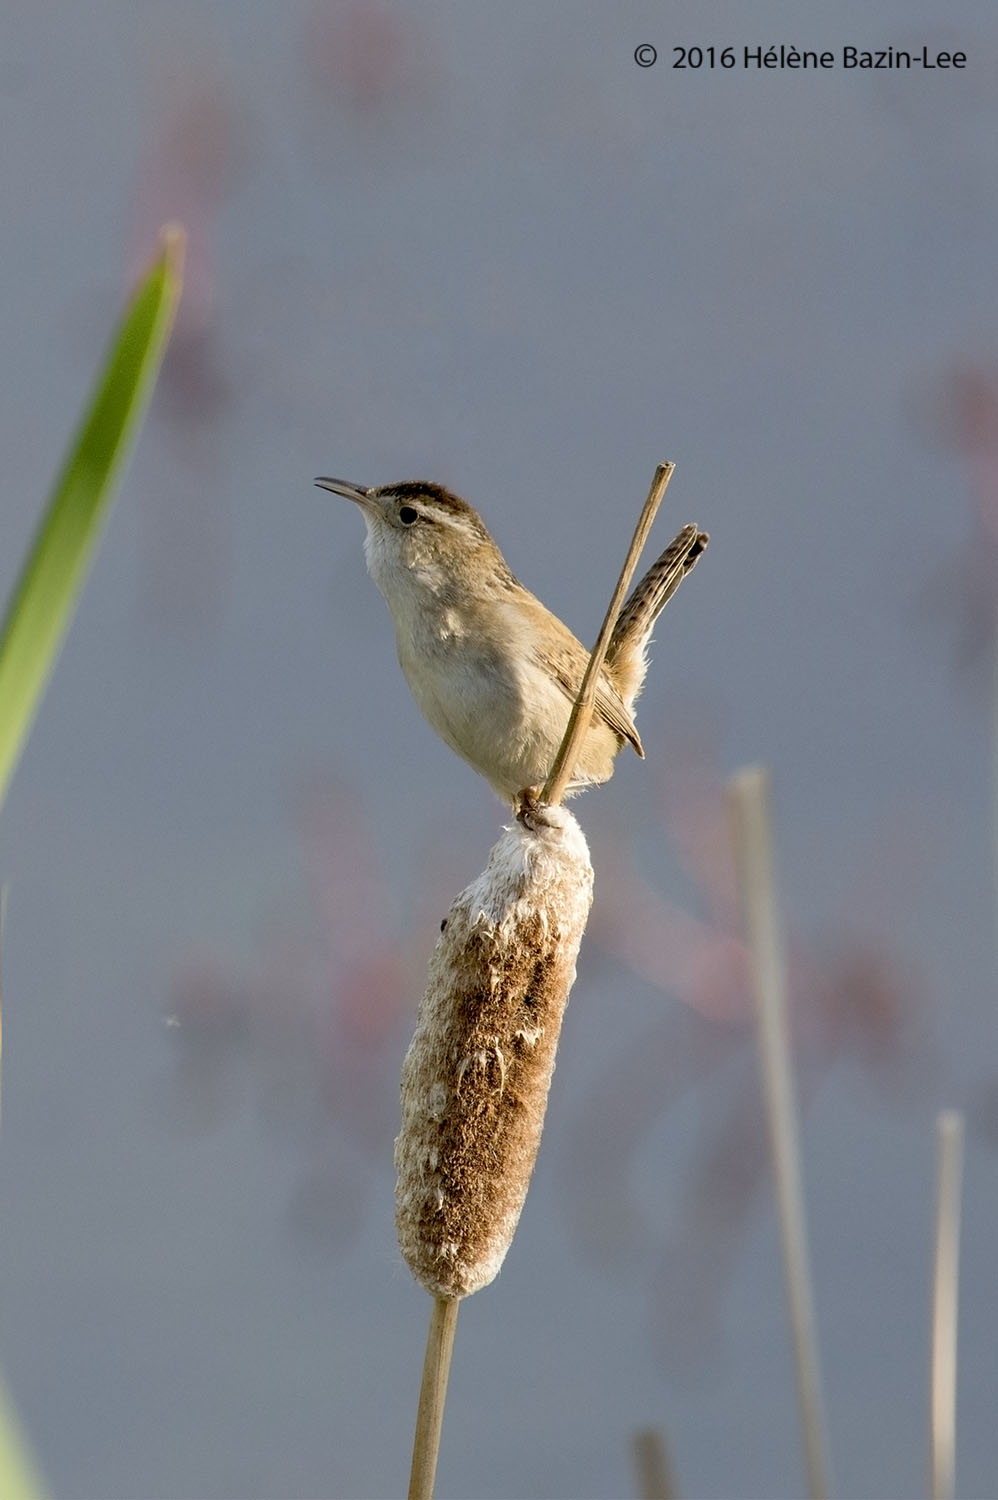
566, 658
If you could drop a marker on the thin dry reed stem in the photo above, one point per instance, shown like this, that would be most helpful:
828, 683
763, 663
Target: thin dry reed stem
750, 831
582, 709
945, 1283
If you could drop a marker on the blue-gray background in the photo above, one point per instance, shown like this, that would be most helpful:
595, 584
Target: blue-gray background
478, 244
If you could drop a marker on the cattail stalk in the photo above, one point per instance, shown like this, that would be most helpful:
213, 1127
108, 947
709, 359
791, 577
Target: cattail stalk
476, 1076
432, 1395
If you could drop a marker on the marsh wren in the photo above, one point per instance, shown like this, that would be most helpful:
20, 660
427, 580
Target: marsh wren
493, 671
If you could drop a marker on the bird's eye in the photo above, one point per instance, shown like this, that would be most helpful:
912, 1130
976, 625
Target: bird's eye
407, 515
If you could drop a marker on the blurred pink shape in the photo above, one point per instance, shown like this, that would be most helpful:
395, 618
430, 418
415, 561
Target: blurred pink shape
316, 1033
364, 51
973, 422
965, 415
184, 175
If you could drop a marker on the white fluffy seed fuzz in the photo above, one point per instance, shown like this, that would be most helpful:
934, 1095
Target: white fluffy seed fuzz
476, 1077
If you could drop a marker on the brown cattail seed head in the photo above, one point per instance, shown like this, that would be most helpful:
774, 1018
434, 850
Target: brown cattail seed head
476, 1077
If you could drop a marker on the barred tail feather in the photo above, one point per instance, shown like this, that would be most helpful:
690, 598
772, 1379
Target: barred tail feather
626, 654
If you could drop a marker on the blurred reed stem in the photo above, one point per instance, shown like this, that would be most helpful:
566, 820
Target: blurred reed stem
748, 793
651, 1465
945, 1303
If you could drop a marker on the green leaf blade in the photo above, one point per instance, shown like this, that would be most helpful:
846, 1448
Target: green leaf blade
63, 549
19, 1479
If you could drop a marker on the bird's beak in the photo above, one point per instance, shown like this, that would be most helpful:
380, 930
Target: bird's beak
354, 492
